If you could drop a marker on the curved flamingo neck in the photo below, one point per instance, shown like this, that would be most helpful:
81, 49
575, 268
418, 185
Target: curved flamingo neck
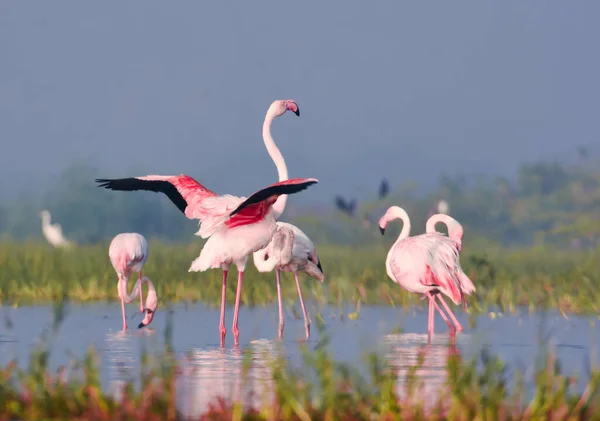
393, 213
453, 226
136, 289
149, 283
273, 150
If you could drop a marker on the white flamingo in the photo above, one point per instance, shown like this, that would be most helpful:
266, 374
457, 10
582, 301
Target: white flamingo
128, 253
290, 249
53, 232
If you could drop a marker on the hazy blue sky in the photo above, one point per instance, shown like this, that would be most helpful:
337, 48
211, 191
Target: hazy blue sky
405, 89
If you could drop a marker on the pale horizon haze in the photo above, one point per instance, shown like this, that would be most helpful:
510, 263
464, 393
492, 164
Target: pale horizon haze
400, 89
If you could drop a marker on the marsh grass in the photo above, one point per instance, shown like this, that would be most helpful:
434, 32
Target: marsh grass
321, 389
34, 272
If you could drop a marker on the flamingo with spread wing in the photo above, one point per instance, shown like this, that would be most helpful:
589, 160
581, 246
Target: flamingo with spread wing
235, 226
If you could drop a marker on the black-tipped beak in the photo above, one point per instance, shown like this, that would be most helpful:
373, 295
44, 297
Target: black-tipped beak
319, 266
297, 112
381, 230
141, 325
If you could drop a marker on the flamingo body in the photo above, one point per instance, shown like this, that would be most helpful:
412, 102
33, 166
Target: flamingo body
455, 233
420, 264
128, 252
293, 253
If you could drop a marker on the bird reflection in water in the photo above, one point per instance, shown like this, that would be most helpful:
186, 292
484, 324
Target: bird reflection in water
408, 350
122, 365
207, 375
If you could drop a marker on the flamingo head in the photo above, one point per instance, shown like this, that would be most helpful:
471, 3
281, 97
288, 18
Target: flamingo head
280, 106
149, 309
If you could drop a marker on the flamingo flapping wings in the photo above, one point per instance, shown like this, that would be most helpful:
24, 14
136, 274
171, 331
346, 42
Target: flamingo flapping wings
235, 226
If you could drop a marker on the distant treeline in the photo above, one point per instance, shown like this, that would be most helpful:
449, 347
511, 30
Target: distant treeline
545, 202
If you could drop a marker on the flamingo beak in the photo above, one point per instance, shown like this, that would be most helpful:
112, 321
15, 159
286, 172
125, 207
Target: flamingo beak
147, 318
319, 265
297, 112
381, 230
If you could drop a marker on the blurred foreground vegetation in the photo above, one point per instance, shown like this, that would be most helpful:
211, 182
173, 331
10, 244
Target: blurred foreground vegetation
537, 277
320, 389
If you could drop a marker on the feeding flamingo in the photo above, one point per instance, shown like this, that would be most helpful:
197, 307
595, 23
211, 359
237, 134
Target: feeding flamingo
128, 253
53, 232
290, 249
426, 264
235, 226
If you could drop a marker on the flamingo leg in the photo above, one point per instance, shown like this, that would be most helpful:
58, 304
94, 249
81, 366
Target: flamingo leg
306, 319
437, 307
236, 310
430, 320
458, 326
223, 299
281, 321
123, 311
120, 287
141, 293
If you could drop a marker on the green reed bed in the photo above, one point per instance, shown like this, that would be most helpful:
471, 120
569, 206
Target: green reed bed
34, 272
322, 390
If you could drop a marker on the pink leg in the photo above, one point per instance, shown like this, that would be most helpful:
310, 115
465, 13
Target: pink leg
281, 321
236, 310
458, 326
430, 320
306, 320
435, 304
141, 293
123, 311
223, 299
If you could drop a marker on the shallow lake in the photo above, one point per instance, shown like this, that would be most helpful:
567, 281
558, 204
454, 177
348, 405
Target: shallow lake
209, 371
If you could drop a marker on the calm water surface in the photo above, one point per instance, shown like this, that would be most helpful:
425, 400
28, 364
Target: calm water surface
208, 371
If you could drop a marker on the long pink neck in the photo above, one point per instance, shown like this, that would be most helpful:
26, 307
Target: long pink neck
393, 213
454, 231
136, 289
282, 172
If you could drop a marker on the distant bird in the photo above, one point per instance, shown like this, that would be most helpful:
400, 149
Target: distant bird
53, 232
235, 226
290, 249
128, 253
426, 264
443, 207
384, 189
346, 206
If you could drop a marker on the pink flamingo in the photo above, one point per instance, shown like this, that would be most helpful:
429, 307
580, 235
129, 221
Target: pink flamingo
128, 253
235, 226
455, 233
455, 229
290, 249
426, 264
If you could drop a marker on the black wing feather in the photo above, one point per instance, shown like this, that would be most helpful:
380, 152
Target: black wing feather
156, 186
278, 190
